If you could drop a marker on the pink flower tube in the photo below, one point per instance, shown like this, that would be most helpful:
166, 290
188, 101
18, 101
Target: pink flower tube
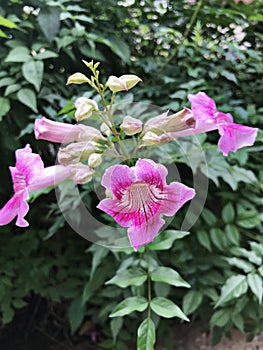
208, 118
29, 175
140, 197
50, 130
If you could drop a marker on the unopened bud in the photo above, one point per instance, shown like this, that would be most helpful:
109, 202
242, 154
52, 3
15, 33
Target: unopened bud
105, 129
131, 126
78, 78
94, 160
81, 173
84, 107
76, 152
123, 83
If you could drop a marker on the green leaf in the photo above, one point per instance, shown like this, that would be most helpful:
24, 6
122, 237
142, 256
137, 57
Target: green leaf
146, 335
192, 300
33, 72
129, 305
220, 318
204, 240
234, 287
98, 254
28, 98
166, 308
46, 55
255, 284
76, 314
7, 314
49, 21
3, 34
217, 237
7, 81
241, 264
19, 54
116, 325
6, 23
166, 239
228, 213
4, 106
123, 279
232, 234
169, 276
229, 76
12, 88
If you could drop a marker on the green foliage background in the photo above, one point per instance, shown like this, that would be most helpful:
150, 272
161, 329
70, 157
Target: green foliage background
176, 49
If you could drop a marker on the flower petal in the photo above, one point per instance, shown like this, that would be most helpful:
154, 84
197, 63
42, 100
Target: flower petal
176, 195
117, 179
148, 171
117, 210
203, 107
235, 136
145, 233
15, 206
28, 164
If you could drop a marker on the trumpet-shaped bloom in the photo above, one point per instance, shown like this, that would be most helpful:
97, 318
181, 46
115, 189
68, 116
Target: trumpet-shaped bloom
28, 175
140, 197
50, 130
208, 118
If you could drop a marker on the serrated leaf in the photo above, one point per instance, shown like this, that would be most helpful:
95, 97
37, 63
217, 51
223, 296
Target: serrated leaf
19, 54
129, 305
146, 335
169, 276
127, 278
4, 106
33, 72
166, 239
234, 287
166, 308
28, 98
255, 284
192, 301
49, 21
76, 314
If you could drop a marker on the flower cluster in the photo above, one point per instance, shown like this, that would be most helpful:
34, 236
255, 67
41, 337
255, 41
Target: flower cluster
137, 196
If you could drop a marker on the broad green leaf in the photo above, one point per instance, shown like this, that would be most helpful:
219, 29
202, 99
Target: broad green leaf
169, 276
165, 239
234, 287
129, 305
4, 107
192, 301
220, 318
7, 81
249, 254
49, 21
166, 308
238, 321
46, 54
260, 270
123, 279
3, 34
19, 54
28, 98
12, 88
76, 314
7, 314
217, 237
98, 254
33, 72
146, 335
255, 284
228, 213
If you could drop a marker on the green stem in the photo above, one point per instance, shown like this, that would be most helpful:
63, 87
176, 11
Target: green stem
149, 291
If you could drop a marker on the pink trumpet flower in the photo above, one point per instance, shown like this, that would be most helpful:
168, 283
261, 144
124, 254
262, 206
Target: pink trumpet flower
29, 175
50, 130
208, 118
140, 197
